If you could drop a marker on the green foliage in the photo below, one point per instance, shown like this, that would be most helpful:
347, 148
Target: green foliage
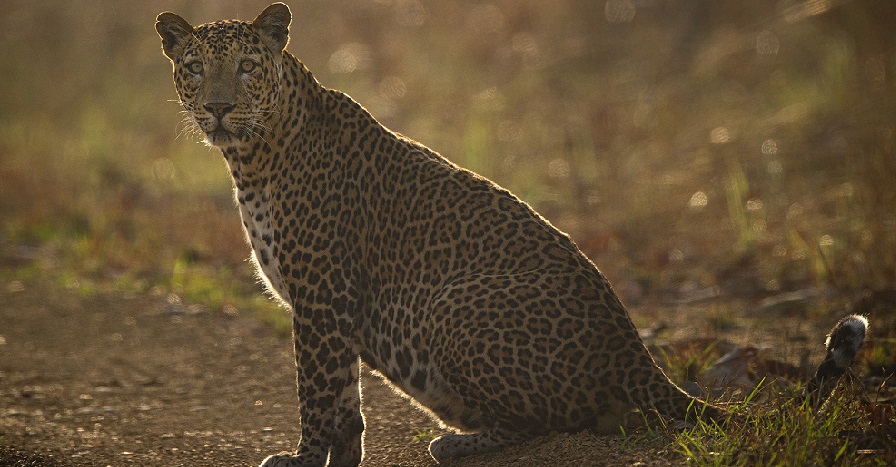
424, 435
780, 433
881, 357
686, 366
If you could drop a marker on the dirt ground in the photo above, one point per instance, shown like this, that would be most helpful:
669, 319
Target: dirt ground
134, 380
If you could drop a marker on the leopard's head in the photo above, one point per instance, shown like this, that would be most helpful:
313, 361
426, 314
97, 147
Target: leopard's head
228, 73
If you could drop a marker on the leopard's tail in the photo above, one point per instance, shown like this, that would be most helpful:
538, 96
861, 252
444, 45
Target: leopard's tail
670, 401
842, 345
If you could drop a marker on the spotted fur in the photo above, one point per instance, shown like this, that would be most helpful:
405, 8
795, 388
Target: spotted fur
449, 286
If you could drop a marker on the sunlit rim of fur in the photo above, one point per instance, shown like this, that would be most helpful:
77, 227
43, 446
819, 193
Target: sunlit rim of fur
858, 323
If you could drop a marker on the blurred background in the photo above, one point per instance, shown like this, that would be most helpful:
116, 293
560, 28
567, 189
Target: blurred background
701, 152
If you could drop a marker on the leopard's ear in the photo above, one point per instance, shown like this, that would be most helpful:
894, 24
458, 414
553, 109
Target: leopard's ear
273, 25
174, 32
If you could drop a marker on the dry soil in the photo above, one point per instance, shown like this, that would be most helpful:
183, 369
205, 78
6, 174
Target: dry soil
115, 379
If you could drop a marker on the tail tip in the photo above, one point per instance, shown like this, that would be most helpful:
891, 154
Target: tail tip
842, 344
849, 333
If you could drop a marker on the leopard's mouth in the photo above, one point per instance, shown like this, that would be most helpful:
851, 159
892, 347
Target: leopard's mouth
219, 136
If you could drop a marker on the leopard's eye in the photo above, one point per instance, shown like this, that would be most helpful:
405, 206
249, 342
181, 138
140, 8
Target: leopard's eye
248, 66
194, 67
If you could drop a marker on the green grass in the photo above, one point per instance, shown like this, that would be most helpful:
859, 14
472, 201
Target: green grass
423, 435
785, 432
774, 425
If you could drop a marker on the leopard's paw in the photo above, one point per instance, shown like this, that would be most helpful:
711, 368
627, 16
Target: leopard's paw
284, 459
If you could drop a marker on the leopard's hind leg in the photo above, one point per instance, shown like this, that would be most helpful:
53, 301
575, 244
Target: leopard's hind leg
455, 445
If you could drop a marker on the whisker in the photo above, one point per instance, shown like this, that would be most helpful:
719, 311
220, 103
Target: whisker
253, 125
188, 126
257, 134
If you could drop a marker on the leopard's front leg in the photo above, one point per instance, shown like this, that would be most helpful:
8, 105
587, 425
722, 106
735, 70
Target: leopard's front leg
347, 447
329, 396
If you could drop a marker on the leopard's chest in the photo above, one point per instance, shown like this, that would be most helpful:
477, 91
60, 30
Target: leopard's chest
255, 211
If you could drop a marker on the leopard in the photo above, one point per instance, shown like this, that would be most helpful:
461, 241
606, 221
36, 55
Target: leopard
449, 287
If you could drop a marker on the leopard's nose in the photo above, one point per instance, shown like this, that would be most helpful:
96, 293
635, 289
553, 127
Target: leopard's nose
218, 109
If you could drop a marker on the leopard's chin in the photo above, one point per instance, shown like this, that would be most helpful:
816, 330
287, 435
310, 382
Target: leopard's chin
220, 137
